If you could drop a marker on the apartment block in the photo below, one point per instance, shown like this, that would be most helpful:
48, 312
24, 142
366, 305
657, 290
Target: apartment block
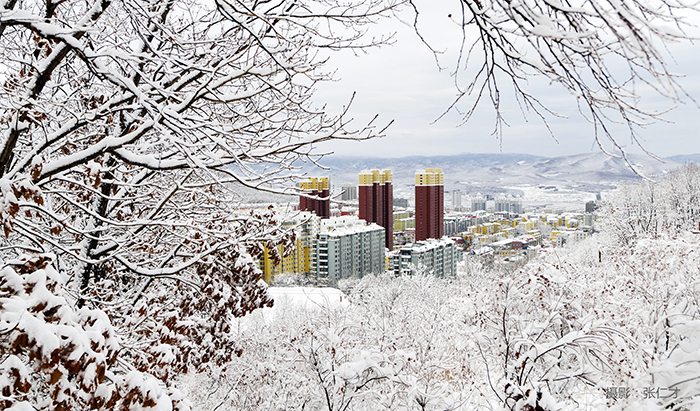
455, 224
401, 202
302, 258
349, 192
478, 203
560, 238
438, 256
403, 221
376, 200
348, 246
456, 199
430, 204
508, 204
316, 187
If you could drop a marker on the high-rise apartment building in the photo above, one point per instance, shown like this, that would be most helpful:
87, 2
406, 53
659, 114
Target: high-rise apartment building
430, 203
377, 201
318, 187
349, 192
509, 204
456, 199
478, 203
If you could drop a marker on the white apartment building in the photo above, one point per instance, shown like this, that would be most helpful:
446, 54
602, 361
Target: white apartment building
509, 204
438, 256
456, 199
349, 192
589, 219
348, 246
570, 236
478, 203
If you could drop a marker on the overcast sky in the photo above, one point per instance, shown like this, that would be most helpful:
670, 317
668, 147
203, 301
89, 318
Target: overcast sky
403, 83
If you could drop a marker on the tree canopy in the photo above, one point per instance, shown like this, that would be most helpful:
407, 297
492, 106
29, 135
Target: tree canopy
126, 127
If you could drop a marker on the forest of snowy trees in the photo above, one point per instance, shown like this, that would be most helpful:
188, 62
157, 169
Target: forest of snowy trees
613, 322
126, 128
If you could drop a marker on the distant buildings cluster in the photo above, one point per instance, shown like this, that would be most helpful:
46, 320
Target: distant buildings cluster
377, 236
506, 235
503, 203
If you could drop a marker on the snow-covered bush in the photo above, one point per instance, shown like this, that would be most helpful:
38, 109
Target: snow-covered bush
56, 357
420, 343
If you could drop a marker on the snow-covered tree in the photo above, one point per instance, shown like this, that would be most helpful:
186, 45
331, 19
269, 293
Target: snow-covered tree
561, 333
605, 53
603, 325
665, 206
125, 128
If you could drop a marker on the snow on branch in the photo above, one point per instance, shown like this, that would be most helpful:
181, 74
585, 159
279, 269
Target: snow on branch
603, 52
122, 125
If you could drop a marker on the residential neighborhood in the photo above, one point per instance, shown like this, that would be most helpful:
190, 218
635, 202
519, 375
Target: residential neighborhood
370, 233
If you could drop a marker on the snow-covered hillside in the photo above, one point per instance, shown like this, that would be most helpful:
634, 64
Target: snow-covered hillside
506, 169
608, 324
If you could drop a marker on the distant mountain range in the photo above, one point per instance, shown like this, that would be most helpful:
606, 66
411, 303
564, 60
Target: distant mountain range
591, 172
685, 158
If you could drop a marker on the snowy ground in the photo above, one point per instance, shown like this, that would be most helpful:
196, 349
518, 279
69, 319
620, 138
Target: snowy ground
307, 297
569, 199
296, 299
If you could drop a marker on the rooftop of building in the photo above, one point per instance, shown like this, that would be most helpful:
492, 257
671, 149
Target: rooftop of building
350, 224
429, 244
